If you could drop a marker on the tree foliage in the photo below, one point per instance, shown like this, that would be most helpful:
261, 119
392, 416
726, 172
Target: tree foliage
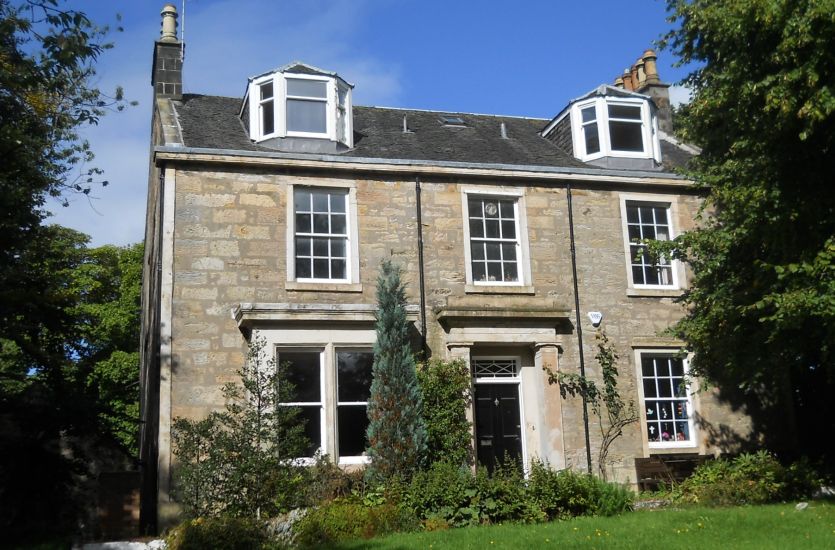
761, 308
396, 433
239, 461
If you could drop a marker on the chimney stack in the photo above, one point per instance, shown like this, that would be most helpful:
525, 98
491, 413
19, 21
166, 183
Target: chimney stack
167, 71
657, 90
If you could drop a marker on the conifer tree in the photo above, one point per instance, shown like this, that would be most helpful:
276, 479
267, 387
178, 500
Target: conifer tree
396, 432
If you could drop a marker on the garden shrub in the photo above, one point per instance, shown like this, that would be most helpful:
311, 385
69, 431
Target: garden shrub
221, 533
443, 491
326, 481
503, 496
446, 387
565, 493
747, 479
345, 519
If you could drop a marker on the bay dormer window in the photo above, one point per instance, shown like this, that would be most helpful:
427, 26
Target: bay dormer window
299, 108
614, 127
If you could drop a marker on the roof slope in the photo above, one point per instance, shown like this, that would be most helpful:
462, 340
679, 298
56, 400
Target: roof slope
212, 122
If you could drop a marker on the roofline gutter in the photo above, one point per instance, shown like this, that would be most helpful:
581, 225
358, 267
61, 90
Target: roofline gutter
413, 167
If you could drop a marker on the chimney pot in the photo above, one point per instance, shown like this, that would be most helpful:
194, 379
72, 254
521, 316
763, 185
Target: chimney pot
642, 77
168, 33
650, 67
627, 80
619, 82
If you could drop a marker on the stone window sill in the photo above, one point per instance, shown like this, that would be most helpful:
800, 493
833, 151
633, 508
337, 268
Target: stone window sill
499, 289
323, 287
654, 292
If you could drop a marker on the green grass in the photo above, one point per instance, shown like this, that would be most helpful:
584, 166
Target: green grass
761, 527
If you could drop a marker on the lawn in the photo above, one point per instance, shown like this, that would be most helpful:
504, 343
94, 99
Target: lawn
773, 526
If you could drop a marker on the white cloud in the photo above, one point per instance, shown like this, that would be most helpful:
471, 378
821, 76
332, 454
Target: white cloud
680, 95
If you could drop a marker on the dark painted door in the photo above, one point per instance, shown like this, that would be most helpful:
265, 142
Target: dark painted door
498, 426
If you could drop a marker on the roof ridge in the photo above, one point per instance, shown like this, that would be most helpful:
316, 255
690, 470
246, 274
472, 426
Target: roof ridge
449, 112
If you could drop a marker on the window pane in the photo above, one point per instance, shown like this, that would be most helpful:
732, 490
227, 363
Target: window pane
474, 206
651, 276
494, 271
302, 223
338, 224
632, 214
634, 233
663, 366
320, 247
303, 268
320, 201
306, 116
478, 251
320, 269
311, 416
677, 367
352, 425
682, 431
354, 375
680, 410
625, 111
626, 136
509, 252
510, 274
338, 202
638, 275
267, 117
649, 388
320, 223
508, 229
476, 228
493, 251
492, 229
479, 271
266, 90
303, 373
653, 431
665, 410
301, 200
338, 269
302, 246
660, 216
647, 366
588, 114
592, 138
337, 248
665, 387
307, 88
506, 210
491, 209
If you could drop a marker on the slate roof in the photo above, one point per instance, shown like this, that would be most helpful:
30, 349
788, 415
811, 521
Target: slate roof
213, 122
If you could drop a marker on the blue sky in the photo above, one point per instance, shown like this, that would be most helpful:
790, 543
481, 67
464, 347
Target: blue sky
526, 58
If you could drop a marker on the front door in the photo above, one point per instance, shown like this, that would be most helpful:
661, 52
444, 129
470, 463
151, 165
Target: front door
498, 424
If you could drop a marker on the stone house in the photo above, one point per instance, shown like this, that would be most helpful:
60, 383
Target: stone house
269, 215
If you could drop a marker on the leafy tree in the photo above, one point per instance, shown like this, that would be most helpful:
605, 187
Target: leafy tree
446, 390
396, 433
612, 412
239, 461
761, 307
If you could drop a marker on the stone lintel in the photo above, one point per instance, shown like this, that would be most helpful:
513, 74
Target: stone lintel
657, 342
248, 314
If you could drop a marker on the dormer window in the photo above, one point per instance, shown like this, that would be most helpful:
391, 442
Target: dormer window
614, 127
299, 108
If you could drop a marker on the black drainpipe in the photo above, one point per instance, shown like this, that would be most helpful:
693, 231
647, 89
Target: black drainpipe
420, 267
577, 321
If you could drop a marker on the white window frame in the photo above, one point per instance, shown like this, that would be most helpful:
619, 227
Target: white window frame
692, 404
352, 276
510, 380
277, 351
671, 204
352, 459
649, 129
522, 249
329, 100
260, 106
328, 340
280, 97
